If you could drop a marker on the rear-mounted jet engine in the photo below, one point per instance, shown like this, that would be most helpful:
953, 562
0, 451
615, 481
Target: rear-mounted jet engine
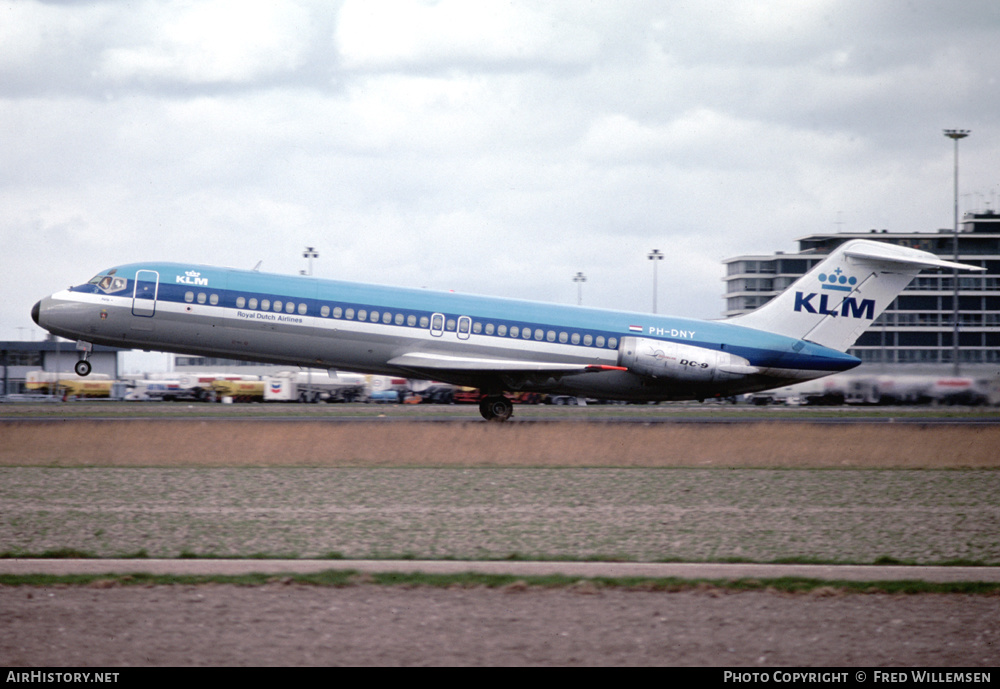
663, 359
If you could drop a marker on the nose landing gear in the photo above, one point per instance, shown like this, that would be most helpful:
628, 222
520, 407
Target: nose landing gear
83, 366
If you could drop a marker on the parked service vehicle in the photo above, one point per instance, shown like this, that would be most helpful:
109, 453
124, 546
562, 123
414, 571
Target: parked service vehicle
140, 390
962, 390
50, 381
563, 400
386, 388
238, 390
206, 387
438, 393
315, 386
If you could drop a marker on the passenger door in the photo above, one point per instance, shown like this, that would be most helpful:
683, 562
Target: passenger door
147, 283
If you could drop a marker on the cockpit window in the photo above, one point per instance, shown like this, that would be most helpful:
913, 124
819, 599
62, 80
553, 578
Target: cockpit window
108, 283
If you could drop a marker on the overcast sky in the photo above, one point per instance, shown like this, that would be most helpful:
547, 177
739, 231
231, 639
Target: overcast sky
487, 146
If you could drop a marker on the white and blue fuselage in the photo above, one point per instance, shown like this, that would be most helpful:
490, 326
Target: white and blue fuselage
491, 343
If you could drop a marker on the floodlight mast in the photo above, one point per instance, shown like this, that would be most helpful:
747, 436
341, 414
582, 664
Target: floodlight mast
310, 253
579, 279
655, 256
955, 135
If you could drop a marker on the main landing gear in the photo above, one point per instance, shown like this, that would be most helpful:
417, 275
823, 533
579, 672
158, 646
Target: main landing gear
496, 408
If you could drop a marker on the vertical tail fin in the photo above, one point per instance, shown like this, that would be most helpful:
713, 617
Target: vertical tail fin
837, 300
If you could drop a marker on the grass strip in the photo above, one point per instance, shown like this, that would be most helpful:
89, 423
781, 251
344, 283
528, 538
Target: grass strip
513, 583
883, 561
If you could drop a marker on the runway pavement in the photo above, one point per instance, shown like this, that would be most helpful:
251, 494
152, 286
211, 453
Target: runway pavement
674, 413
725, 571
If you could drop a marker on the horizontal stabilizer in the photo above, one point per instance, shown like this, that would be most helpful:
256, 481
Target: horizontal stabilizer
891, 253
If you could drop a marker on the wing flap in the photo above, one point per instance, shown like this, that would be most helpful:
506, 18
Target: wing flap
446, 362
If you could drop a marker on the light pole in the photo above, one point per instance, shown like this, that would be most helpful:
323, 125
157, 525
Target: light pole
654, 256
955, 135
310, 253
579, 279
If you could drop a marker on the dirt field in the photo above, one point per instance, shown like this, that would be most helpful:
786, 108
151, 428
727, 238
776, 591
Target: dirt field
393, 626
476, 490
636, 513
288, 443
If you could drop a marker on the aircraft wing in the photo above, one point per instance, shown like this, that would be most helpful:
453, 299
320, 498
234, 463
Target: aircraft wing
445, 362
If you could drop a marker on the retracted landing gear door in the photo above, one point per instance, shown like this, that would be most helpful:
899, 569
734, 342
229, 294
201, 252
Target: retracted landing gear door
147, 283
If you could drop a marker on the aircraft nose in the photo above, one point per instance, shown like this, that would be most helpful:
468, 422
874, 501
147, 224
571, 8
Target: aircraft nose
34, 311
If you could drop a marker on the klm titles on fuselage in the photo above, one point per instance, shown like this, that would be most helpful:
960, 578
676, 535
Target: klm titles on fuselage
848, 308
192, 277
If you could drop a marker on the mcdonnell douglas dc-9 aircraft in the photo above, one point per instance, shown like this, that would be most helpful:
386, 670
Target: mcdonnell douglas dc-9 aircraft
497, 345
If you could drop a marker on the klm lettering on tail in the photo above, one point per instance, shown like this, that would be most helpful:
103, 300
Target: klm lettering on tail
849, 308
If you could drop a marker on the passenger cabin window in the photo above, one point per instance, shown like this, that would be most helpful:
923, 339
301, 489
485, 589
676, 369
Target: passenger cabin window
241, 302
253, 303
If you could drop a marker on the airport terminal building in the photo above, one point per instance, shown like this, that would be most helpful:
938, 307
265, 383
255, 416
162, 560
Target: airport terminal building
917, 329
18, 357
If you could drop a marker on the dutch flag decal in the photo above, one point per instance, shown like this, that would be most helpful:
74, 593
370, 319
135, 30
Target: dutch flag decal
635, 328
